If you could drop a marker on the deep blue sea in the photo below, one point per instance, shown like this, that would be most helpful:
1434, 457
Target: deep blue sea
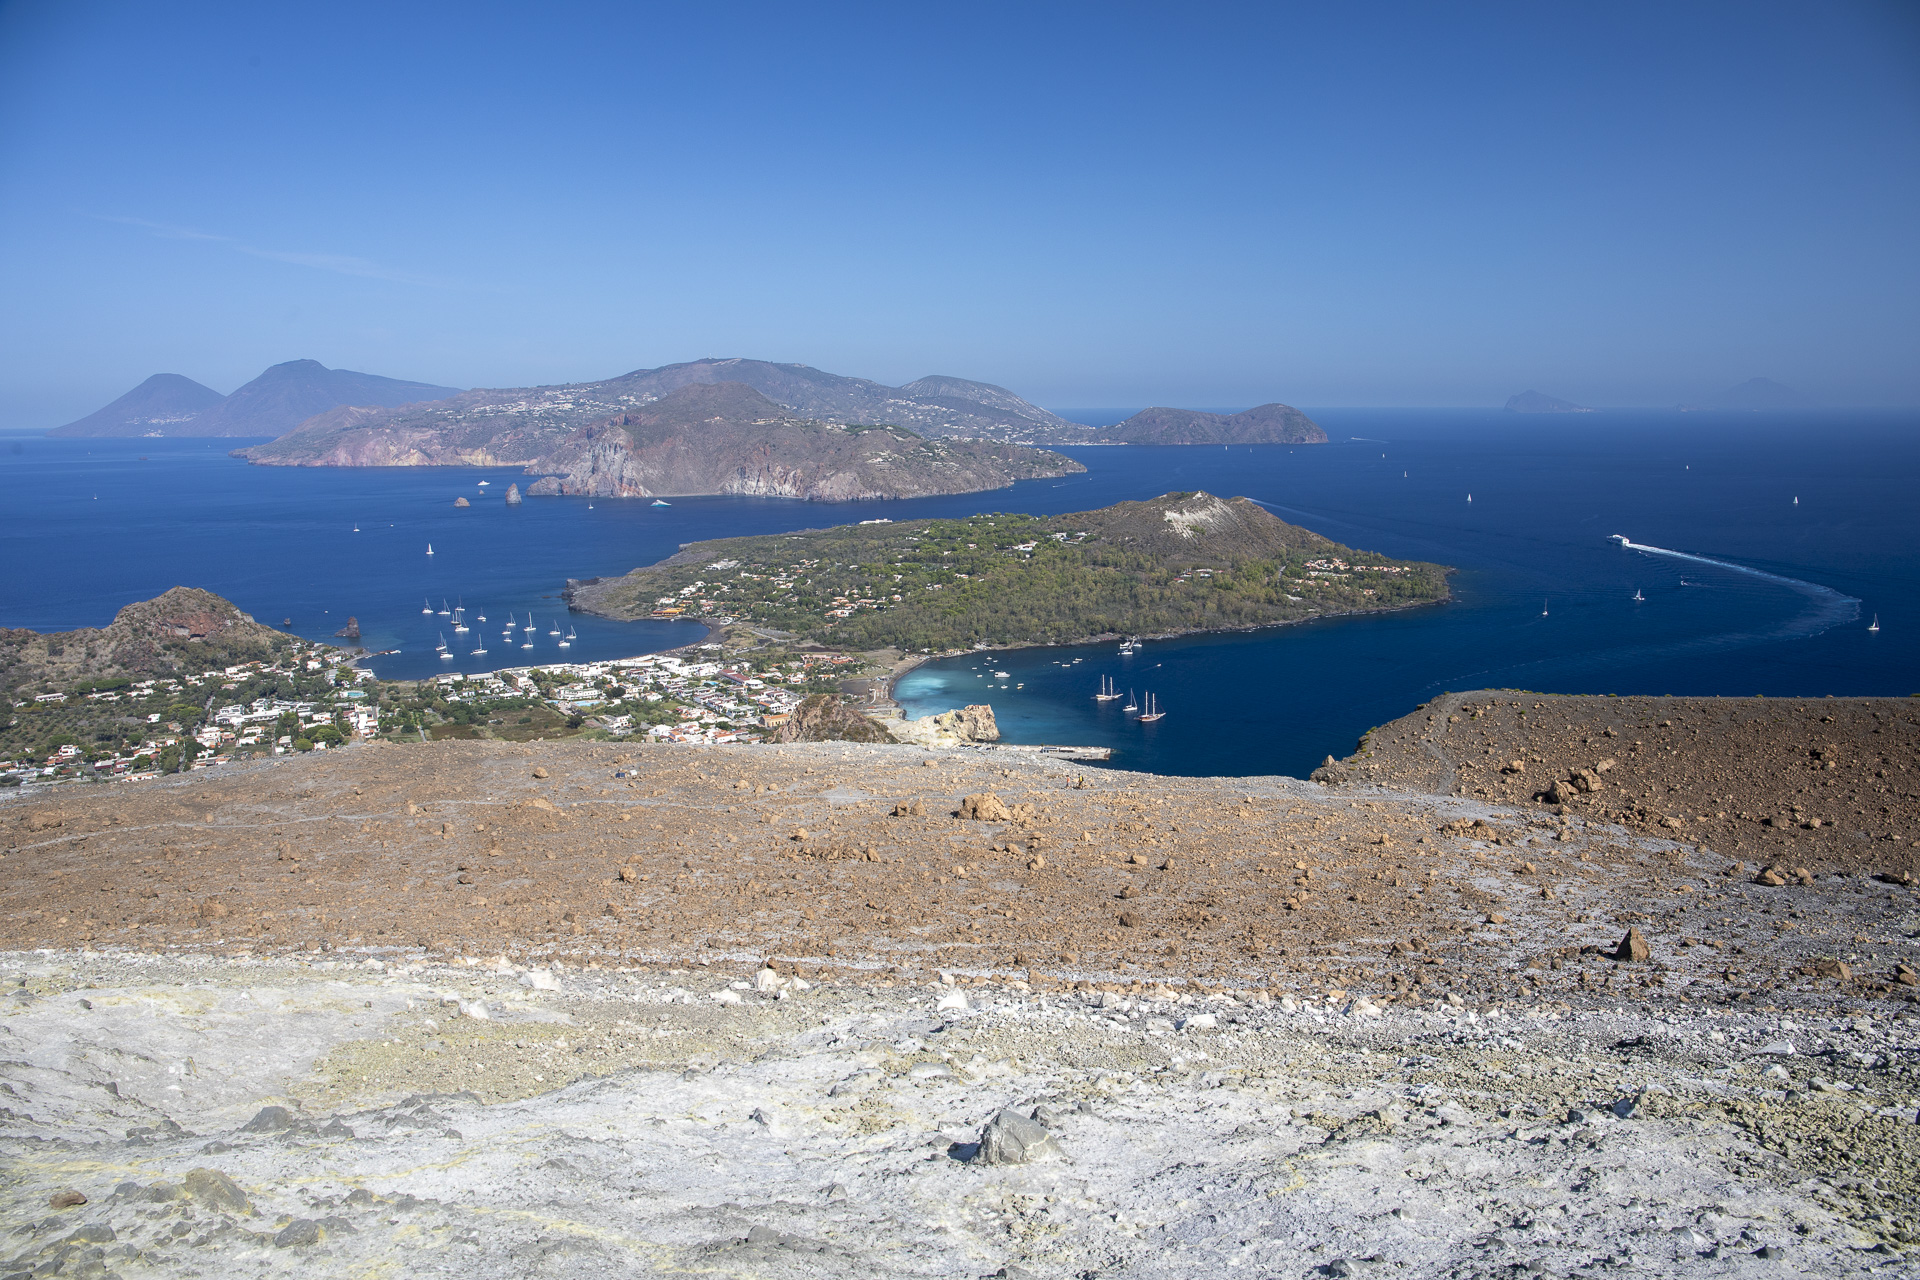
1776, 602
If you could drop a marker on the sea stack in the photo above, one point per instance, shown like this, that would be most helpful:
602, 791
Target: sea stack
513, 495
351, 631
461, 502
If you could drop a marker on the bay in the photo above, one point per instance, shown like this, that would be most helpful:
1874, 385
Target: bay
90, 525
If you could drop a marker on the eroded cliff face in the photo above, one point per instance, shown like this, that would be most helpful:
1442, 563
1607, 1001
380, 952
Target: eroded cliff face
773, 455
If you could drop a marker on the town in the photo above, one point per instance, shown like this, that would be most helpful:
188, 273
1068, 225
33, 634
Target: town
316, 698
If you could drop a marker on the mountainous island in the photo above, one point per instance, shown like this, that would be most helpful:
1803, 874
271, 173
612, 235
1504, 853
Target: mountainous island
1180, 562
274, 403
701, 437
1263, 424
1538, 402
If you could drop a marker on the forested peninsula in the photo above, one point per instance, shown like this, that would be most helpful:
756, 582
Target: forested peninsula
1179, 562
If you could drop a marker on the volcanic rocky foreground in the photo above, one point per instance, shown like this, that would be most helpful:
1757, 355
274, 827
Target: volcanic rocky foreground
492, 1010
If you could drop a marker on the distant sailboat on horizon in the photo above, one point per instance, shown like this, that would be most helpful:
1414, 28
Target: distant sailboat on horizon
430, 545
1638, 597
1875, 624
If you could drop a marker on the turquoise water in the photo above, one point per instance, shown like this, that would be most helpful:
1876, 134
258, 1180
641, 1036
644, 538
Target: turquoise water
91, 525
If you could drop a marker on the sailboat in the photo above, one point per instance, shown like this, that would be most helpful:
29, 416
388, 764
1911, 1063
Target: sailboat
556, 629
526, 644
1469, 497
356, 528
426, 606
444, 611
430, 545
1637, 596
567, 639
1875, 624
1796, 500
445, 653
1107, 692
529, 626
479, 646
1131, 706
480, 617
1152, 713
1543, 608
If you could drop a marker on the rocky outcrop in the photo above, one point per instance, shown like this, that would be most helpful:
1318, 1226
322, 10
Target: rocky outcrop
973, 723
181, 629
825, 717
461, 502
351, 631
513, 495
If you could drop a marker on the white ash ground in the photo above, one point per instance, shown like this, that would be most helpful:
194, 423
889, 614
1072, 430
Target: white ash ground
600, 1123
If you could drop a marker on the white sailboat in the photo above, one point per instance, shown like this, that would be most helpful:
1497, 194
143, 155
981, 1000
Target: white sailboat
430, 545
459, 625
1638, 597
1131, 706
529, 627
556, 628
1152, 713
1875, 624
1543, 608
1107, 692
444, 611
426, 606
446, 654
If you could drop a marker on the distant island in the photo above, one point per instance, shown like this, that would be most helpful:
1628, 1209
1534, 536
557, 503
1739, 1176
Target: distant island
274, 403
1180, 562
1537, 402
1264, 424
703, 437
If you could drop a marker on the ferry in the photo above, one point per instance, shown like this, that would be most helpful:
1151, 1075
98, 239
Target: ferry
1107, 692
1620, 538
1152, 713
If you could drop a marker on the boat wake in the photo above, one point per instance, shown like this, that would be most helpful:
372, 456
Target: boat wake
1831, 608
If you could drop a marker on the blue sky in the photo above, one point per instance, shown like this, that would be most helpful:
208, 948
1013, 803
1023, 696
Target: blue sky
1102, 204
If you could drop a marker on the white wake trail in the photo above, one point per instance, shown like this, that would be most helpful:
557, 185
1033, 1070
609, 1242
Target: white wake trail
1836, 607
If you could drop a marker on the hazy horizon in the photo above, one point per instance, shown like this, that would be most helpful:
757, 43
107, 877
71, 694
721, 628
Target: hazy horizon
1111, 206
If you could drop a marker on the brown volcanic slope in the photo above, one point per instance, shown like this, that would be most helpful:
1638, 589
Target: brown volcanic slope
1830, 784
849, 854
702, 437
183, 629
